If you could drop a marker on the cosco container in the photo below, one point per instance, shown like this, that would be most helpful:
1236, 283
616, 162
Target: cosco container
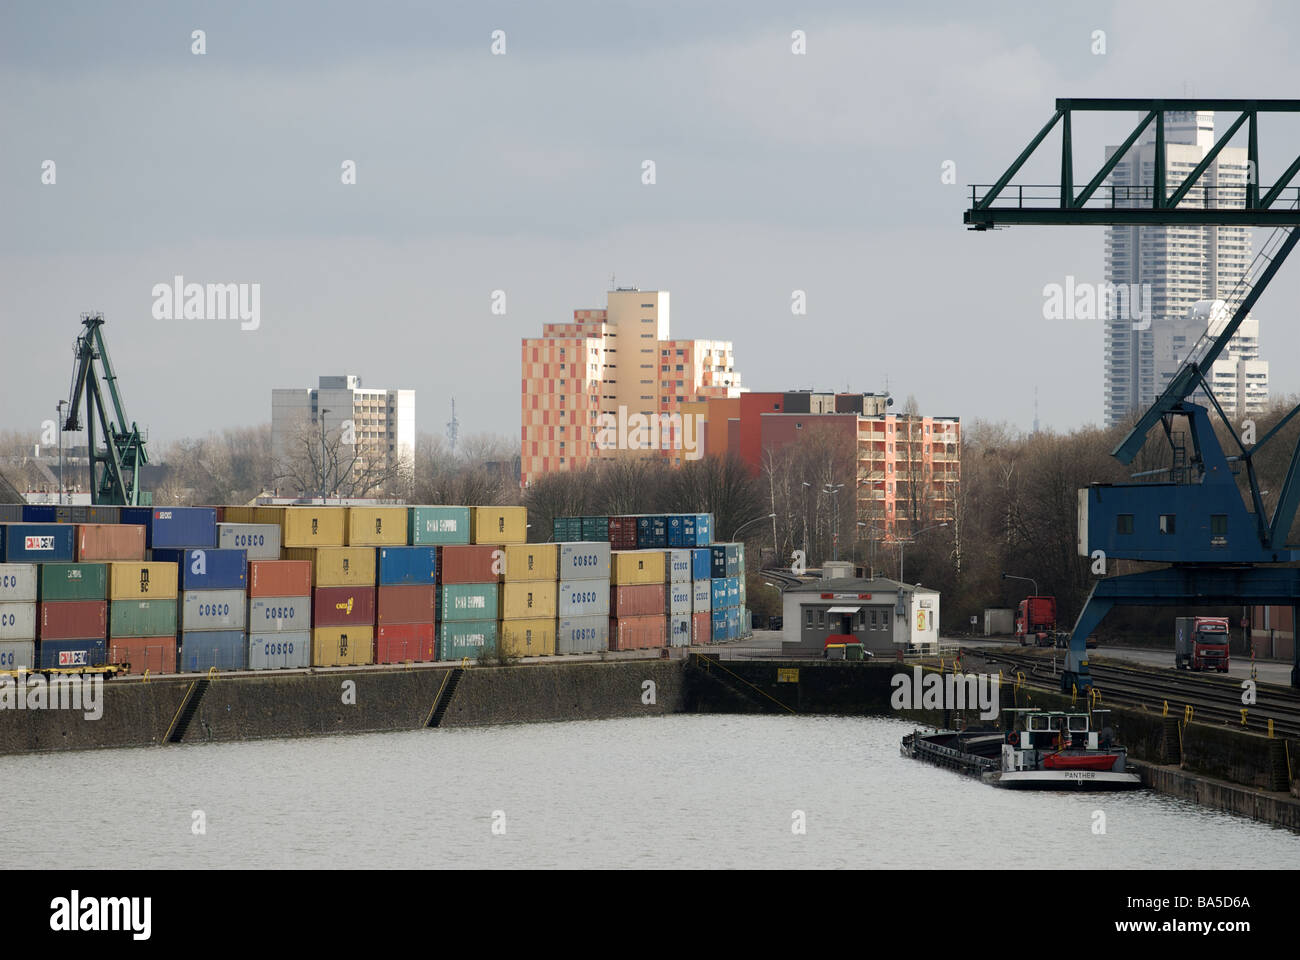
74, 620
500, 524
468, 601
376, 526
638, 633
651, 532
102, 541
638, 600
476, 639
155, 654
17, 582
343, 606
18, 621
260, 540
279, 578
583, 561
471, 564
701, 628
142, 581
310, 526
141, 618
279, 614
437, 526
528, 638
582, 635
595, 529
406, 604
16, 654
679, 566
679, 599
531, 561
279, 651
637, 566
701, 596
528, 600
72, 654
407, 566
208, 569
73, 581
214, 610
337, 566
679, 631
622, 533
222, 649
37, 542
174, 528
583, 598
702, 563
342, 646
400, 642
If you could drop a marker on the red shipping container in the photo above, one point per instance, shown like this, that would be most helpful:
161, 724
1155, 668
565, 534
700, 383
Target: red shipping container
638, 633
476, 563
622, 533
406, 604
155, 654
74, 619
399, 642
279, 578
343, 606
638, 600
110, 541
701, 628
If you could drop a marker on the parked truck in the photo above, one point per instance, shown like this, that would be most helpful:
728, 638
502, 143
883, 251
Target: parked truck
1201, 643
1036, 620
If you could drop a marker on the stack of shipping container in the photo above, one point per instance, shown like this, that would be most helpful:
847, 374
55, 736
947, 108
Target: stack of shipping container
279, 611
406, 612
582, 599
469, 596
529, 593
638, 600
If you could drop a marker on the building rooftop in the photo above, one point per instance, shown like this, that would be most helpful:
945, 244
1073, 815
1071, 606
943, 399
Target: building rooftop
857, 585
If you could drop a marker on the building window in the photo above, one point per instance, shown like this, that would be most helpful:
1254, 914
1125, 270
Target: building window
821, 618
1219, 525
1167, 523
808, 620
1124, 523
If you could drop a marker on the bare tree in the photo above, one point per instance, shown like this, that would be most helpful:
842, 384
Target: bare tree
338, 464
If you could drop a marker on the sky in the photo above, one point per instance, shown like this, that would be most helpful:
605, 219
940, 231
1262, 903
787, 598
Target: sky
522, 172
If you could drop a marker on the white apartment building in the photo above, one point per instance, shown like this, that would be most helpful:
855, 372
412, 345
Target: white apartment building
1239, 378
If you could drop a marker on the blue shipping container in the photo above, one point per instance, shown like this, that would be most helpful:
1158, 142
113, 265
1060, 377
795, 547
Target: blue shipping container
702, 564
37, 542
651, 532
223, 649
690, 529
719, 568
174, 528
718, 593
407, 565
733, 591
70, 654
719, 622
703, 529
40, 513
208, 569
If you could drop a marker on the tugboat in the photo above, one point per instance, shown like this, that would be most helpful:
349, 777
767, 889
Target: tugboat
1053, 750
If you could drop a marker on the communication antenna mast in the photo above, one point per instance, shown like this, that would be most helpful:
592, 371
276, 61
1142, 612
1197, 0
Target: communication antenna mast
453, 427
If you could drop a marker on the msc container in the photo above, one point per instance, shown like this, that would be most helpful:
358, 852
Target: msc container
583, 561
17, 582
622, 533
679, 631
279, 578
679, 566
16, 654
532, 561
213, 569
37, 543
475, 639
18, 621
310, 526
74, 620
528, 600
701, 596
638, 600
376, 526
155, 654
638, 633
528, 638
343, 606
337, 566
260, 540
437, 526
407, 566
73, 581
100, 513
174, 528
71, 654
279, 614
102, 541
470, 564
406, 604
141, 618
468, 601
499, 524
702, 563
400, 642
701, 631
142, 581
637, 566
581, 635
342, 646
222, 649
583, 599
595, 529
279, 651
214, 610
651, 532
679, 599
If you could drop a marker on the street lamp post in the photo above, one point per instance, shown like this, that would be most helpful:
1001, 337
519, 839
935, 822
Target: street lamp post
58, 408
806, 487
1008, 576
748, 523
902, 543
833, 490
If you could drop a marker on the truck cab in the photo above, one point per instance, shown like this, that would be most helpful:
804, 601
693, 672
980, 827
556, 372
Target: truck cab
1036, 621
1201, 643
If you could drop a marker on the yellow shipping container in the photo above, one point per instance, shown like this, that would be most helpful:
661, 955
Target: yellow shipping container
129, 580
268, 515
529, 600
342, 646
499, 524
376, 526
528, 638
239, 515
311, 526
337, 566
636, 566
532, 561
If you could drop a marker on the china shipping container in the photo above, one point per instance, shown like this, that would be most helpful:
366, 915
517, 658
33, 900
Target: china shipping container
17, 621
73, 581
214, 610
309, 526
16, 654
437, 526
260, 540
222, 649
279, 614
528, 600
141, 618
622, 533
174, 528
475, 639
342, 646
142, 581
583, 598
581, 635
733, 592
528, 638
701, 596
468, 601
102, 541
701, 628
702, 563
679, 566
376, 526
408, 603
594, 529
343, 606
499, 525
279, 578
408, 566
718, 626
531, 561
17, 582
638, 633
718, 594
37, 543
566, 528
637, 566
74, 620
213, 569
290, 650
733, 624
400, 642
583, 561
652, 532
470, 564
71, 654
638, 600
679, 599
155, 654
338, 566
679, 631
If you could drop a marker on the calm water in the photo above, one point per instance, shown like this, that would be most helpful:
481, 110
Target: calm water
682, 791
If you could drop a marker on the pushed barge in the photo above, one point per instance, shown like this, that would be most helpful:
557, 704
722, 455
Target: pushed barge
1053, 750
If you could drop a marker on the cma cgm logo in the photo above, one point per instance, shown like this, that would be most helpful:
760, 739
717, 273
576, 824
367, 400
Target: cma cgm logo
73, 658
38, 543
345, 606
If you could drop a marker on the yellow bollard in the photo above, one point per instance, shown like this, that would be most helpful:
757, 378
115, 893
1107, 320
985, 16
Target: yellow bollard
1270, 728
1165, 712
1187, 713
1243, 716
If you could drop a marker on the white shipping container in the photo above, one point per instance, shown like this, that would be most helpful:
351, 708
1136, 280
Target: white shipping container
261, 540
18, 621
679, 566
702, 596
582, 635
213, 610
584, 561
17, 583
16, 654
279, 614
679, 599
679, 631
584, 598
279, 651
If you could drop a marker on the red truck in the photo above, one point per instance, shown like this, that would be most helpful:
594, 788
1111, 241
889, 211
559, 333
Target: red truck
1201, 643
1036, 620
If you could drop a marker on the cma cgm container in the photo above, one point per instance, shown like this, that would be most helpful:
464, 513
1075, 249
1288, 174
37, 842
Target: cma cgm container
279, 651
690, 529
581, 635
73, 581
141, 618
470, 564
638, 600
17, 654
528, 600
343, 607
701, 596
595, 529
437, 526
637, 566
408, 566
338, 566
500, 524
583, 598
101, 541
260, 540
279, 578
528, 638
71, 654
468, 601
400, 642
638, 633
701, 628
651, 532
376, 527
222, 649
173, 528
17, 582
142, 581
342, 646
679, 599
583, 561
279, 614
622, 533
155, 654
75, 620
18, 621
679, 566
531, 561
208, 569
37, 543
679, 631
214, 610
409, 603
475, 639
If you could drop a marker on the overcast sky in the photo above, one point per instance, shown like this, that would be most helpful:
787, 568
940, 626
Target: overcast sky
523, 173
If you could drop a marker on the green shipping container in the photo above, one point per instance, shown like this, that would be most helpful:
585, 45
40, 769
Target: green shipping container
469, 601
142, 618
467, 638
437, 526
74, 581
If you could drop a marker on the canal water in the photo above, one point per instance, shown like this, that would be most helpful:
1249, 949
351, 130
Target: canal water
679, 791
